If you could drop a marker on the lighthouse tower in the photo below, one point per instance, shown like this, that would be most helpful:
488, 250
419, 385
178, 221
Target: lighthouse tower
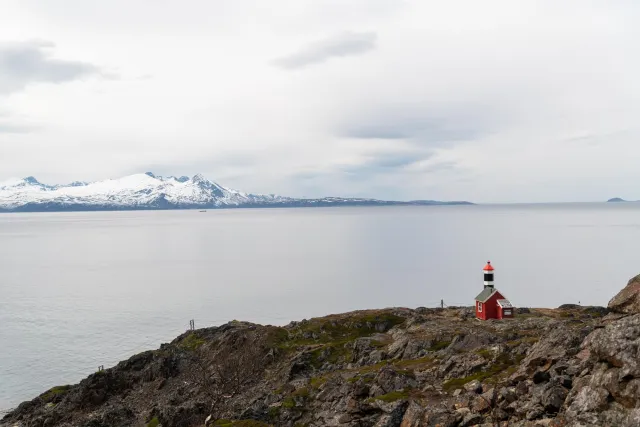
490, 303
488, 275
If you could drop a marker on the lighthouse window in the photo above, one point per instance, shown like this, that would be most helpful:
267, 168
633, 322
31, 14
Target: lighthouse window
480, 307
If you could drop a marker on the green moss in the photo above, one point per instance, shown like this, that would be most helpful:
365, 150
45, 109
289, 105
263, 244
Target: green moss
192, 342
154, 422
288, 403
439, 345
274, 412
331, 353
301, 392
373, 368
276, 337
423, 362
487, 354
394, 396
343, 329
54, 392
316, 382
502, 365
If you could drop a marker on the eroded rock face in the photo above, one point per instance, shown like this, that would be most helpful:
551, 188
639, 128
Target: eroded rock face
627, 301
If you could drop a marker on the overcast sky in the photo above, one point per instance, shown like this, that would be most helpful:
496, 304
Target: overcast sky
488, 101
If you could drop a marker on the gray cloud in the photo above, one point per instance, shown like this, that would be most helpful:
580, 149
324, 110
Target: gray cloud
417, 124
30, 62
345, 44
384, 163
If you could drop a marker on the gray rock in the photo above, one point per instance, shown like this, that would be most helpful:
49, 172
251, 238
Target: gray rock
618, 344
535, 412
589, 399
481, 405
471, 419
627, 301
413, 416
553, 399
474, 386
507, 394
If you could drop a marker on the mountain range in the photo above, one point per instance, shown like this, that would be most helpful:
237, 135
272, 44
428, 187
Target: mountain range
147, 191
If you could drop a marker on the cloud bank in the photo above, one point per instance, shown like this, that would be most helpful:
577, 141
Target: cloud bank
498, 101
342, 45
31, 62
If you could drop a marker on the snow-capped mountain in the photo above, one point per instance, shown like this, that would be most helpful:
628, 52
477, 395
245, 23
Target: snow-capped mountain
148, 191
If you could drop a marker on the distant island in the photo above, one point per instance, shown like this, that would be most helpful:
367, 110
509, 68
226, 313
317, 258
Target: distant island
619, 200
147, 191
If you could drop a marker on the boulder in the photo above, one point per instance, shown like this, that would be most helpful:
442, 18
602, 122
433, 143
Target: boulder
474, 386
618, 344
627, 301
413, 416
481, 404
553, 399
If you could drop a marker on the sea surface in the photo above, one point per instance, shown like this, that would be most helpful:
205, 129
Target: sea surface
80, 290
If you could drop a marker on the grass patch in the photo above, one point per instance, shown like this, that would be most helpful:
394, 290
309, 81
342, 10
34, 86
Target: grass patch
340, 329
485, 353
301, 392
317, 382
439, 345
288, 403
503, 364
54, 392
373, 368
394, 396
154, 422
423, 362
330, 353
192, 342
274, 412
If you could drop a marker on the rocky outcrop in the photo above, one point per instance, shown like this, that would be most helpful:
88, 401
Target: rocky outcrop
627, 301
379, 368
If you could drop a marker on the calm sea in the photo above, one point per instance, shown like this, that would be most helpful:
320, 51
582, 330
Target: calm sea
79, 290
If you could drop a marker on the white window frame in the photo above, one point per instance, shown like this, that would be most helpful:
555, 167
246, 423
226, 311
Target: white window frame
479, 307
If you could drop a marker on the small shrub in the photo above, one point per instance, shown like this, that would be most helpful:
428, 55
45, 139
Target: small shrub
154, 422
54, 392
316, 382
288, 403
192, 342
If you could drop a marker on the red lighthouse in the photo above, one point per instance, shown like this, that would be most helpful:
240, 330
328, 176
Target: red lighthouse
490, 303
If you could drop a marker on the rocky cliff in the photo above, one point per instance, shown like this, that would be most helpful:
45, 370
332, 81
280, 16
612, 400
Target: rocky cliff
572, 366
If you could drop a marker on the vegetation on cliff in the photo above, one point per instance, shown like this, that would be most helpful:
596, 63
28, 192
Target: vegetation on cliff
394, 367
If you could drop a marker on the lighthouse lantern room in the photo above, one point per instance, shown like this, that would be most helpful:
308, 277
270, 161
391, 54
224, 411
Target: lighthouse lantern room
490, 303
